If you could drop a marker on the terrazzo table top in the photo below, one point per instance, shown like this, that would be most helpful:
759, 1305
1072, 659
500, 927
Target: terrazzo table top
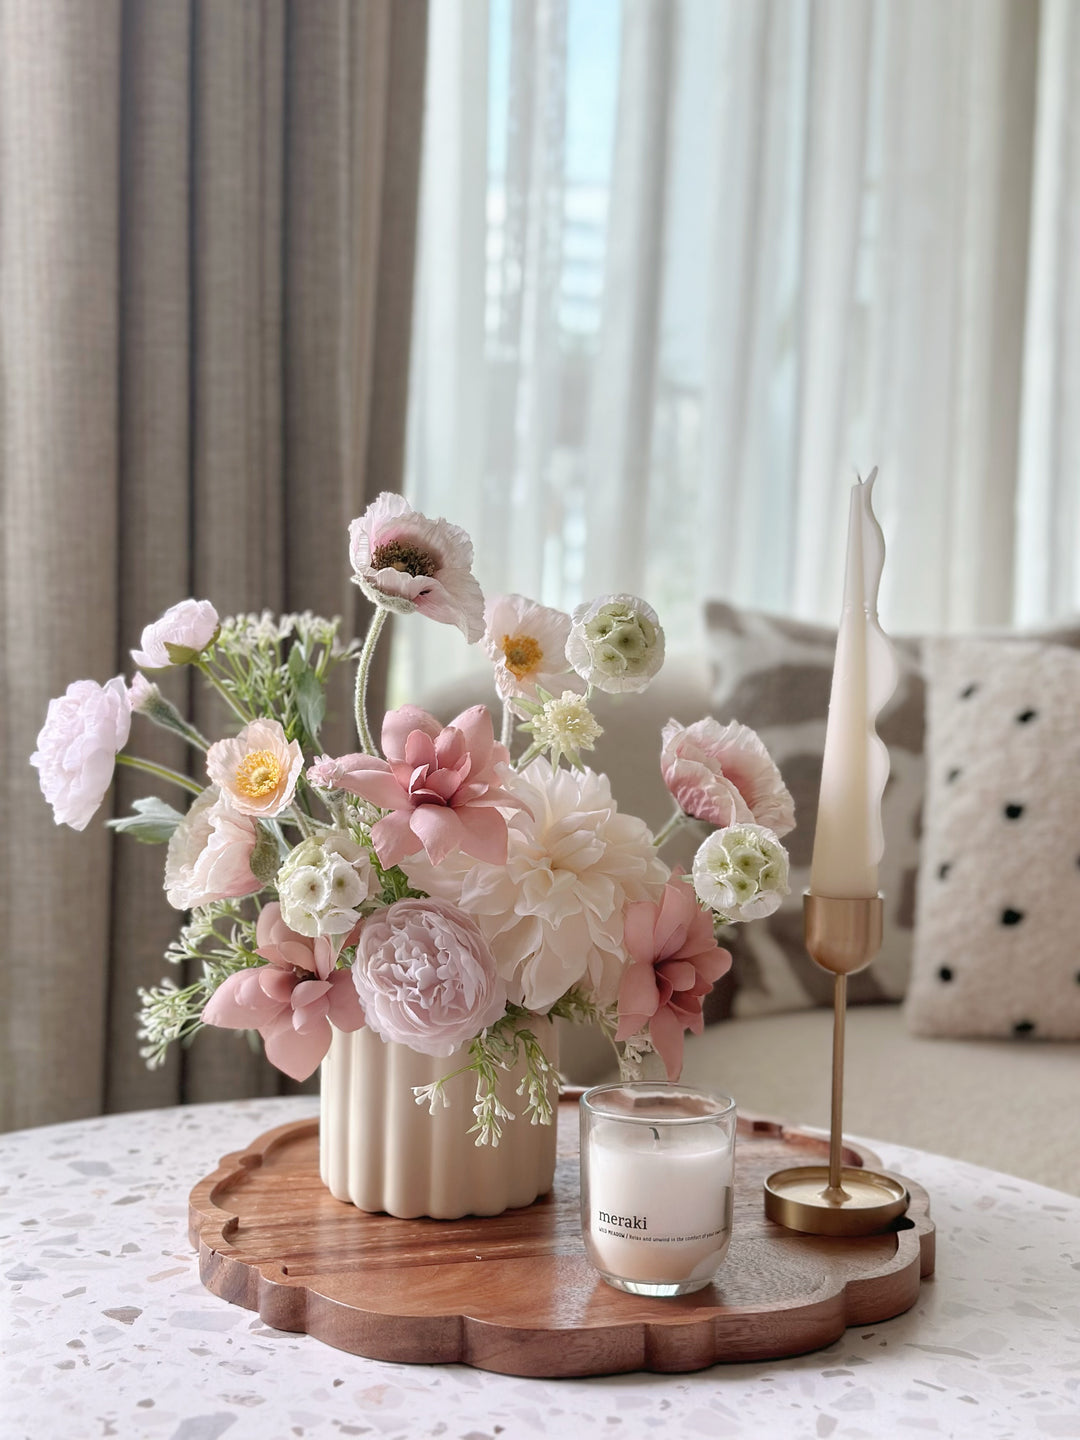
106, 1329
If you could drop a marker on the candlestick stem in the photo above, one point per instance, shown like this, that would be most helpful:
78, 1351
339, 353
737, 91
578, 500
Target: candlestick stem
835, 1191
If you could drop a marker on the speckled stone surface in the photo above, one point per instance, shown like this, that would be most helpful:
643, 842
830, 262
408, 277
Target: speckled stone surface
107, 1330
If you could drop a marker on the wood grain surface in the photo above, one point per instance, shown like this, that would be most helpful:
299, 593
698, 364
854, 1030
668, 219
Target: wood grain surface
514, 1293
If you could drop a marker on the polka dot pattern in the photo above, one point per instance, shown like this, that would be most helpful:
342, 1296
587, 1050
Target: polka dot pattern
998, 912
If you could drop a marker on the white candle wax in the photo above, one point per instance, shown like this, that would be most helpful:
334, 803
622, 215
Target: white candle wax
848, 840
659, 1208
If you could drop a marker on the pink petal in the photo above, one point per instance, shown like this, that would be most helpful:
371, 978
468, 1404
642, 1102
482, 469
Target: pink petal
420, 750
240, 1003
399, 724
485, 834
666, 1034
443, 783
460, 602
439, 830
374, 781
278, 984
679, 974
638, 995
393, 837
297, 1054
639, 923
478, 733
343, 1003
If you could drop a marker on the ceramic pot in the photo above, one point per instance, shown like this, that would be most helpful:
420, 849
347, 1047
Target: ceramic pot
383, 1152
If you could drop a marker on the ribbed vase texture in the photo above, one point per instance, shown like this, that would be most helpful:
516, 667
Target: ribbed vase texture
383, 1152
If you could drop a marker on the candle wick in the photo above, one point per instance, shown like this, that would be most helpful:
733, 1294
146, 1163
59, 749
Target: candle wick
655, 1132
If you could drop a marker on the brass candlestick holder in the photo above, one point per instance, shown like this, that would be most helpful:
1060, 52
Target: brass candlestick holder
842, 936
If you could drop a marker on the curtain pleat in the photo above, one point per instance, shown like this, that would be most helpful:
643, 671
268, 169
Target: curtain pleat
207, 217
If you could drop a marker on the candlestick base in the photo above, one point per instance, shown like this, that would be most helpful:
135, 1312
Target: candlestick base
842, 936
867, 1202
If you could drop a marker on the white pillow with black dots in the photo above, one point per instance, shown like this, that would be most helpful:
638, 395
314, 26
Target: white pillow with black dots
997, 926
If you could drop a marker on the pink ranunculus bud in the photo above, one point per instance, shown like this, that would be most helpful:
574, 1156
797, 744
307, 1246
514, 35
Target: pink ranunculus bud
182, 633
426, 976
209, 854
77, 747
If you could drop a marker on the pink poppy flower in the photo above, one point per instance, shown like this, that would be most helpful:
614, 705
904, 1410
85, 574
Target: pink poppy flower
403, 561
724, 775
442, 785
674, 962
292, 1000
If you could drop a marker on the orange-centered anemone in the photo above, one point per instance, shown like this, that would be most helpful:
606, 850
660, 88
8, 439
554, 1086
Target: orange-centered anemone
258, 774
522, 653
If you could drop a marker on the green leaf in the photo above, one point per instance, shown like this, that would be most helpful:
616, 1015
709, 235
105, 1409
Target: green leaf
152, 824
310, 700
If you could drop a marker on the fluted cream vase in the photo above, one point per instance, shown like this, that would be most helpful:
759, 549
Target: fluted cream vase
385, 1153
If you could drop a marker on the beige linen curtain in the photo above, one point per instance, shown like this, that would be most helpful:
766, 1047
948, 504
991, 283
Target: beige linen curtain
207, 219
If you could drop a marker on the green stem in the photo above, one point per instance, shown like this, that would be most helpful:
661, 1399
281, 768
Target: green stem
363, 665
229, 699
161, 771
666, 831
507, 724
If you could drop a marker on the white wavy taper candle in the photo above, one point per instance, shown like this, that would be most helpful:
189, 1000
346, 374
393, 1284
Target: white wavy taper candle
848, 841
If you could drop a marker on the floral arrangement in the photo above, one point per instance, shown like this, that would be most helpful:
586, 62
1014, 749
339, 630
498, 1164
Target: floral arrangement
431, 888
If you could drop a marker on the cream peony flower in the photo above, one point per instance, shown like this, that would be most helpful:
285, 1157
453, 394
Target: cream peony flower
616, 643
741, 872
257, 770
182, 633
209, 854
324, 883
527, 642
723, 774
403, 561
553, 914
77, 747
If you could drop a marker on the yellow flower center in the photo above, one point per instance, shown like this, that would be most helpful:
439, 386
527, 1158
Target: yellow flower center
258, 774
523, 654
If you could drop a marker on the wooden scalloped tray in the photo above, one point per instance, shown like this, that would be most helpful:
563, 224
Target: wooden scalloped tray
515, 1293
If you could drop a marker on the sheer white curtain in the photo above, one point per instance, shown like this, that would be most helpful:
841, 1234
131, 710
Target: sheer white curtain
686, 265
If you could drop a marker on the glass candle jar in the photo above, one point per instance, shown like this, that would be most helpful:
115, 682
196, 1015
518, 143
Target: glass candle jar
657, 1166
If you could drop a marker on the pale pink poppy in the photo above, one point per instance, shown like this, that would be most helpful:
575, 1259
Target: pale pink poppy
292, 1000
258, 769
404, 561
674, 963
723, 774
442, 785
527, 643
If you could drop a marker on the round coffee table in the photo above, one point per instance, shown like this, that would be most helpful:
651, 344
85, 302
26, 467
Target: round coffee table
107, 1329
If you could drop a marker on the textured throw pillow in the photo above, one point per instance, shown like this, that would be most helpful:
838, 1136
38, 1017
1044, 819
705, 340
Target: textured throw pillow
997, 940
774, 675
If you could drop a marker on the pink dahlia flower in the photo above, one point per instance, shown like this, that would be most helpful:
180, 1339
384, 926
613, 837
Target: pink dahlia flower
674, 963
443, 786
209, 854
258, 769
77, 747
527, 642
724, 775
403, 561
292, 1000
183, 632
426, 976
